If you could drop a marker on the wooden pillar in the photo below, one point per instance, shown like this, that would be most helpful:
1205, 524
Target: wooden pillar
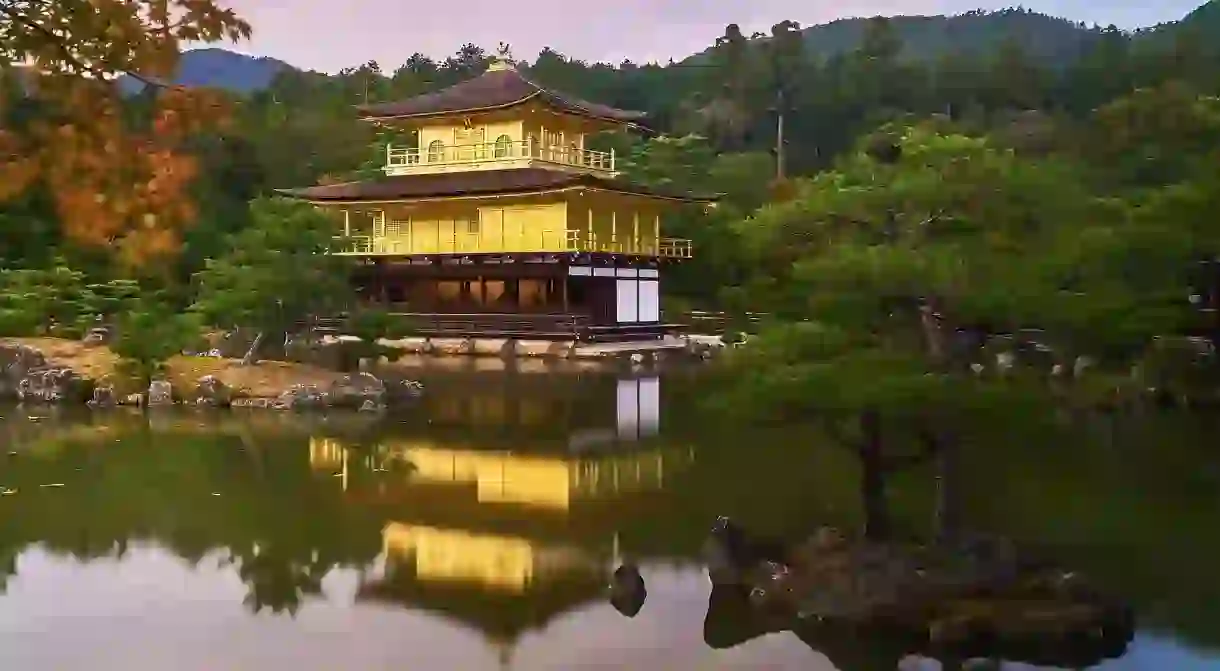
589, 237
614, 229
656, 233
635, 231
347, 223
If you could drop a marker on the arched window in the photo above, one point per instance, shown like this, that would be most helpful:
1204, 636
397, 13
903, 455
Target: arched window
436, 151
504, 146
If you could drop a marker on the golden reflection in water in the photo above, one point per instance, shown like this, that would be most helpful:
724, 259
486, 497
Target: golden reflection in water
553, 482
501, 563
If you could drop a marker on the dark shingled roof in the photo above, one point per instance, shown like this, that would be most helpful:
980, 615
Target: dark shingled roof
496, 88
474, 183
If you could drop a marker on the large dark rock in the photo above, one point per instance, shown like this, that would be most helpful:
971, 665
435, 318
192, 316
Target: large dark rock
16, 361
965, 596
627, 590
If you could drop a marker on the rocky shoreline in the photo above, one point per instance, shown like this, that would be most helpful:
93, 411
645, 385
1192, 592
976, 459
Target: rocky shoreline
57, 372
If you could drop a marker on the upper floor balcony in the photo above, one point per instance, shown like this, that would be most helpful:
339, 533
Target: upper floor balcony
543, 241
498, 155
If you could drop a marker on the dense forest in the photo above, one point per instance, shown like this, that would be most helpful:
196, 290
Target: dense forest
920, 202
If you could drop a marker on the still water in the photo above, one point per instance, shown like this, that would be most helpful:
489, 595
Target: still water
477, 531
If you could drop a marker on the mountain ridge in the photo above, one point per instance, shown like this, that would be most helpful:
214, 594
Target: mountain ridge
1049, 39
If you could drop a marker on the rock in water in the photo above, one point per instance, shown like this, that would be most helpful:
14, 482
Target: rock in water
356, 390
160, 393
55, 385
627, 590
16, 362
733, 556
302, 397
211, 392
104, 396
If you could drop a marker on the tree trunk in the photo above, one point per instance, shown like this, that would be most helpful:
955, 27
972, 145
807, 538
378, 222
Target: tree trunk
948, 521
872, 479
934, 337
251, 357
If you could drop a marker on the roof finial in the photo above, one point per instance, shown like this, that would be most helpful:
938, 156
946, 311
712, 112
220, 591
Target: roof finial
503, 59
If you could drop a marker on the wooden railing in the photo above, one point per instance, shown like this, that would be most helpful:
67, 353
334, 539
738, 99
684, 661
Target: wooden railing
499, 324
567, 240
543, 326
407, 158
717, 322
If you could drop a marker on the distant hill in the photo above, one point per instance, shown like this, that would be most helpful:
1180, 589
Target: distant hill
1046, 38
1204, 21
1049, 39
1206, 18
222, 69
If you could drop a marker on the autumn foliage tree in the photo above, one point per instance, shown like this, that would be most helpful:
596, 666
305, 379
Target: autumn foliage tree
115, 184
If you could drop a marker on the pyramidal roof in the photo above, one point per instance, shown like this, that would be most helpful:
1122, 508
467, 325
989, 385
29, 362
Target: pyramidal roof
501, 86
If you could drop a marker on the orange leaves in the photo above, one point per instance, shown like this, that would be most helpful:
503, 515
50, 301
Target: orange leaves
114, 186
117, 188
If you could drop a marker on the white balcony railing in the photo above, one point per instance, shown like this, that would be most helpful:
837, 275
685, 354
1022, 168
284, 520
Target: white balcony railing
362, 244
400, 159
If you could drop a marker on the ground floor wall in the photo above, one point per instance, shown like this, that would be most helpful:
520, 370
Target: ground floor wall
558, 296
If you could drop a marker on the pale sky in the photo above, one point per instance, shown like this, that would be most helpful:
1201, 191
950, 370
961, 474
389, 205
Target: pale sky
328, 36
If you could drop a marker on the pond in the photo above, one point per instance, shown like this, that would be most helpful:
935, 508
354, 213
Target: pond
478, 531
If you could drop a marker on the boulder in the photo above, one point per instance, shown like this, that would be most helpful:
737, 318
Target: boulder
302, 397
211, 392
561, 349
399, 392
253, 403
96, 337
160, 393
357, 389
55, 385
104, 396
627, 590
16, 361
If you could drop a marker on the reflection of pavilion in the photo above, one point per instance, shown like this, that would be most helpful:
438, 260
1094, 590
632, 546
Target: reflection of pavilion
504, 525
501, 585
569, 411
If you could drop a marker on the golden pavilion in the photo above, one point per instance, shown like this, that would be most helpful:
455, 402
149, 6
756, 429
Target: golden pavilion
499, 219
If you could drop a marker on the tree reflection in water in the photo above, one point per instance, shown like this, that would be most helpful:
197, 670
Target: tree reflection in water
1137, 516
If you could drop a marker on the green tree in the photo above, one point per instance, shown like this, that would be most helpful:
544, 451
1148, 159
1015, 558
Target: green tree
148, 335
275, 274
892, 275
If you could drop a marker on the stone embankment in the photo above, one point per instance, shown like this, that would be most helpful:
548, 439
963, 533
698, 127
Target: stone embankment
66, 372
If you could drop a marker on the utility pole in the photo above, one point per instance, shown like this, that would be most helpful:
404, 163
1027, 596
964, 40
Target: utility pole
779, 134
